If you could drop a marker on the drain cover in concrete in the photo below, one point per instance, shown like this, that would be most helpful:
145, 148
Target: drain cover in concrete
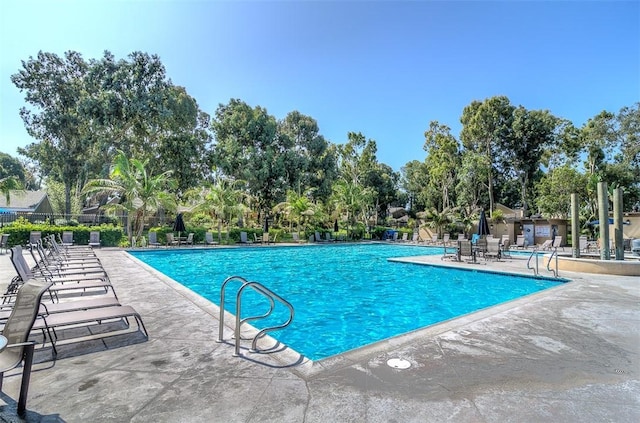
398, 363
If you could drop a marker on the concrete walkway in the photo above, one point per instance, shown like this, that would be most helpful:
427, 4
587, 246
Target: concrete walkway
569, 354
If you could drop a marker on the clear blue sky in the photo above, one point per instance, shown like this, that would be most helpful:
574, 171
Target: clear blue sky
385, 69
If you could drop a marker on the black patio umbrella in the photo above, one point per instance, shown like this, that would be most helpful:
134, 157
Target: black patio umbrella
266, 224
483, 225
178, 225
335, 226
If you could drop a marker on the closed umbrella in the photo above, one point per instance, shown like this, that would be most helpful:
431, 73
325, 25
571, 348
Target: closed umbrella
483, 225
266, 224
178, 225
335, 226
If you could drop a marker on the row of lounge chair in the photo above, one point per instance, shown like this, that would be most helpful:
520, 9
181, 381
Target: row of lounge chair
67, 238
64, 297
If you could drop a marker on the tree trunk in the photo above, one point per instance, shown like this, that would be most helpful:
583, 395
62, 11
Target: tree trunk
67, 199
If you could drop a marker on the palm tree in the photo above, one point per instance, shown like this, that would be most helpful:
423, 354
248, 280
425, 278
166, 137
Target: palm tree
439, 219
222, 201
352, 198
466, 217
140, 192
296, 207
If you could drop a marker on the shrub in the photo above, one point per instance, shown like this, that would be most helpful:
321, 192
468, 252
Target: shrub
21, 228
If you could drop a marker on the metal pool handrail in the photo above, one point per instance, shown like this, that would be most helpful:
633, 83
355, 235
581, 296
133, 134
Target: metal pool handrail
553, 254
533, 253
267, 293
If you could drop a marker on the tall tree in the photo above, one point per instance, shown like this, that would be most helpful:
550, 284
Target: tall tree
533, 133
414, 178
443, 159
485, 125
312, 166
598, 140
471, 189
137, 109
247, 148
54, 89
555, 189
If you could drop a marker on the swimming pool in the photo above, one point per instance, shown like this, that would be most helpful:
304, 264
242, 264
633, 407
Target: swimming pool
345, 296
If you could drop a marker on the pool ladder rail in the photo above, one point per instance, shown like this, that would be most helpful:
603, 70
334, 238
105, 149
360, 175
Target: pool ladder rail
264, 291
536, 272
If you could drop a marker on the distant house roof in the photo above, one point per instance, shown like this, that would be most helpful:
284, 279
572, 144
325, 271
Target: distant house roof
23, 201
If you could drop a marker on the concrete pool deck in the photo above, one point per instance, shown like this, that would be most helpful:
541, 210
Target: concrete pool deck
569, 354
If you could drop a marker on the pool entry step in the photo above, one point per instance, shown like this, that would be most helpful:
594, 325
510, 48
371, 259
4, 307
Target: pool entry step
271, 296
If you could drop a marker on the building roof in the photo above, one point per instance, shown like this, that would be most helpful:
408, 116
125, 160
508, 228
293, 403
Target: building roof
23, 200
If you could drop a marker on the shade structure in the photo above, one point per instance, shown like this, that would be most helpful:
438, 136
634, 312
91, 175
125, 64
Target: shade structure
483, 225
266, 224
335, 226
178, 225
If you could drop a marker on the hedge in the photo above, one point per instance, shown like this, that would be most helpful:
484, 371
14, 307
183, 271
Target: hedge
20, 230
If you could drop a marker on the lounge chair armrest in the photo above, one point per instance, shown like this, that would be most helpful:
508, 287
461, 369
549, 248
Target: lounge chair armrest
21, 344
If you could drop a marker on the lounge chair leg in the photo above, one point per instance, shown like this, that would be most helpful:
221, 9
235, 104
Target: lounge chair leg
26, 376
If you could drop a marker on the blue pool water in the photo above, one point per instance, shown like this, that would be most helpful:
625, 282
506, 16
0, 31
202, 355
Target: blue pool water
345, 296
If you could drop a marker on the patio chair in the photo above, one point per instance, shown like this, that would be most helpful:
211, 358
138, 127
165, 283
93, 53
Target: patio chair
189, 240
328, 237
466, 249
62, 307
94, 239
493, 250
584, 244
4, 243
69, 250
415, 238
505, 249
451, 253
171, 241
208, 239
434, 239
34, 237
481, 246
265, 238
90, 317
243, 238
49, 265
462, 237
445, 239
520, 242
63, 255
546, 245
67, 284
67, 238
16, 331
295, 236
153, 240
319, 238
557, 243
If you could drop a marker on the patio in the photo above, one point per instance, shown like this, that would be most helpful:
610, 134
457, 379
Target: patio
568, 354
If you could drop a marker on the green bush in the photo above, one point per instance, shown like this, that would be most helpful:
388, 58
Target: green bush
20, 230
